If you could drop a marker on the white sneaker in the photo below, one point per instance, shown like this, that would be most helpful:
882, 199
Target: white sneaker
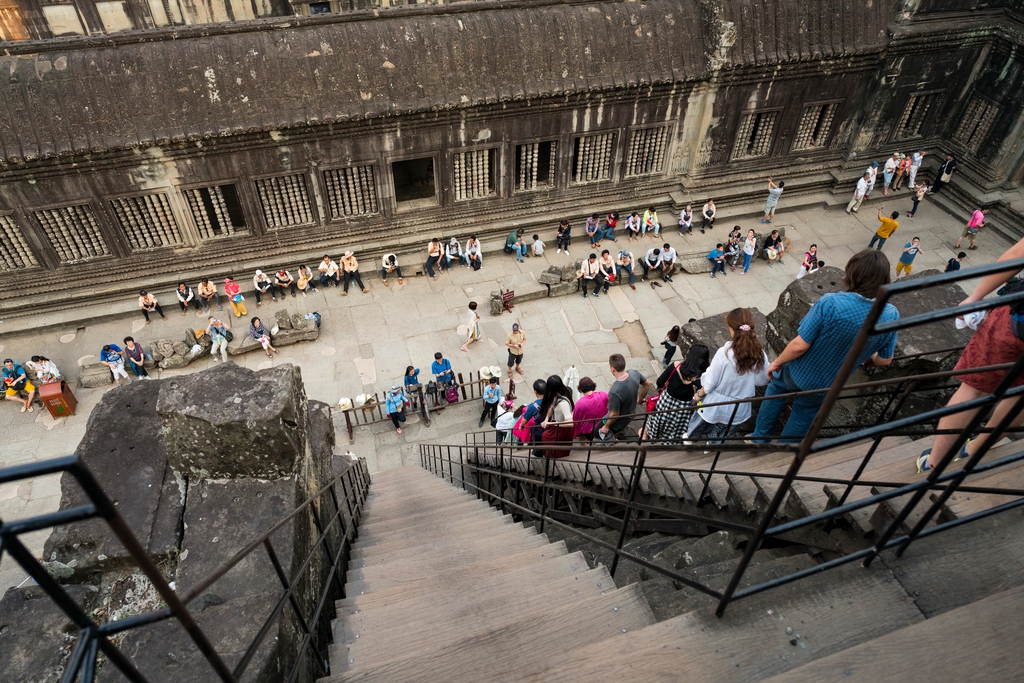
559, 251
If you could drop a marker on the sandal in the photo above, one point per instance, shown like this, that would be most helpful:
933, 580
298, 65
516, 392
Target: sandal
922, 461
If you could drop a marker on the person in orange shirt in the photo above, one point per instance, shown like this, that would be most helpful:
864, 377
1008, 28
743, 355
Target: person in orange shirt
886, 229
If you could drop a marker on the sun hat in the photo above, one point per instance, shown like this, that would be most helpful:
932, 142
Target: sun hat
485, 372
495, 371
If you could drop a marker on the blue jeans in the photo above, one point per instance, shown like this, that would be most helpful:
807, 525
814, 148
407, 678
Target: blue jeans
746, 261
717, 266
801, 417
431, 262
628, 269
518, 249
464, 260
597, 236
877, 238
608, 230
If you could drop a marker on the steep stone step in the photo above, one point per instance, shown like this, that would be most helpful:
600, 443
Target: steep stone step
366, 593
910, 654
411, 538
373, 533
521, 646
830, 611
413, 623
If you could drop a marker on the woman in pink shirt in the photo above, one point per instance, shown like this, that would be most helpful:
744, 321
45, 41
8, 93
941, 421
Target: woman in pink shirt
976, 223
592, 406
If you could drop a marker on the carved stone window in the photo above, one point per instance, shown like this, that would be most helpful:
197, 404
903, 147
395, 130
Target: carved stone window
73, 232
474, 174
14, 251
351, 191
976, 123
755, 135
914, 115
216, 211
815, 126
285, 201
535, 165
592, 157
647, 147
147, 221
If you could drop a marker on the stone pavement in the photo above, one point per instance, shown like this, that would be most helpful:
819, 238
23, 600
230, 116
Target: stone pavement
367, 340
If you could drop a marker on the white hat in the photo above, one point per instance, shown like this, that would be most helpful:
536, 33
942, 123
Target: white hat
485, 372
495, 371
259, 272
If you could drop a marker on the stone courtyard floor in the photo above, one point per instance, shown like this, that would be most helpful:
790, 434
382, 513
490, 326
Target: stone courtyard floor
367, 340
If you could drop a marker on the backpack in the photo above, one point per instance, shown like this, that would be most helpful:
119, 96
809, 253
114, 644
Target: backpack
1017, 308
523, 430
451, 394
316, 318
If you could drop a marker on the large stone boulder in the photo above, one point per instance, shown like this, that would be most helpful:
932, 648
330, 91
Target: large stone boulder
712, 332
232, 422
35, 636
124, 449
794, 302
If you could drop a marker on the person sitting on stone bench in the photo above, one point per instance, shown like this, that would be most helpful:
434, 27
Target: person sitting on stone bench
453, 252
389, 264
262, 285
16, 381
475, 253
329, 273
514, 244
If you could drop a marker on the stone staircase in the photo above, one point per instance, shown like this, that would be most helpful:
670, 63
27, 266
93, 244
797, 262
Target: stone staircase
443, 587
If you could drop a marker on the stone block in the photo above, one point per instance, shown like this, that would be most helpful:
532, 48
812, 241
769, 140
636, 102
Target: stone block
244, 343
232, 422
765, 231
164, 347
564, 288
173, 362
181, 348
299, 322
35, 636
496, 306
283, 320
95, 375
124, 449
525, 287
694, 264
548, 278
795, 301
569, 270
712, 332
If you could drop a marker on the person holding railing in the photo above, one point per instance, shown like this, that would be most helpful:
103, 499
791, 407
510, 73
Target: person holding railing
556, 410
736, 371
999, 339
678, 384
588, 411
813, 358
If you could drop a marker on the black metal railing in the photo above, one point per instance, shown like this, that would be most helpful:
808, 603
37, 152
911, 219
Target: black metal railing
334, 511
471, 463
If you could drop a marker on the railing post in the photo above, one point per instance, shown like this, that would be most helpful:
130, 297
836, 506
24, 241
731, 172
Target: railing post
348, 425
634, 482
501, 478
544, 489
423, 405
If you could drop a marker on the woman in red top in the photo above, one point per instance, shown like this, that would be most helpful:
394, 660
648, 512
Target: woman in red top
235, 298
610, 223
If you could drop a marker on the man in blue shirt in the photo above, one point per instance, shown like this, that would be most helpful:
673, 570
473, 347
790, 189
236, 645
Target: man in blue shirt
112, 358
492, 396
16, 380
442, 369
717, 258
813, 358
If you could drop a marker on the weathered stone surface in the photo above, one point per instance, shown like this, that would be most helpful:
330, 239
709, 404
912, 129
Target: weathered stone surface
244, 343
713, 333
795, 301
283, 319
525, 287
496, 306
124, 448
764, 232
181, 348
95, 375
547, 278
569, 270
564, 288
694, 263
190, 337
222, 517
155, 353
173, 362
165, 347
35, 636
164, 651
232, 422
299, 322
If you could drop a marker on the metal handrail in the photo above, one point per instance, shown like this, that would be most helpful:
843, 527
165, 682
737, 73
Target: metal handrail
942, 479
94, 637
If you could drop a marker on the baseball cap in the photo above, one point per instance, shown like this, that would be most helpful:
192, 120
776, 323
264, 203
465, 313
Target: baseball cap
515, 327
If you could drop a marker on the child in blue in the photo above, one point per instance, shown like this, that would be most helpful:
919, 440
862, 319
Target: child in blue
394, 405
492, 396
717, 258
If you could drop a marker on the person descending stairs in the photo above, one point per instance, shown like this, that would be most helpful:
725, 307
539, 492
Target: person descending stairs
442, 587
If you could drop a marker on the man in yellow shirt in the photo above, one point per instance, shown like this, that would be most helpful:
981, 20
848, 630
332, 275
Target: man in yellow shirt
515, 342
886, 229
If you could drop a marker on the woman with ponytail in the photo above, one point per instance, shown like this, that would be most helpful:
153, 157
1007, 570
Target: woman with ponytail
734, 374
556, 408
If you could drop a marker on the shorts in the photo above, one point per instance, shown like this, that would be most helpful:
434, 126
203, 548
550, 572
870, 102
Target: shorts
967, 233
29, 387
514, 359
769, 206
902, 267
994, 343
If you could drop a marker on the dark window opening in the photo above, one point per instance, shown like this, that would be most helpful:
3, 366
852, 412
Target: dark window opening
414, 181
319, 8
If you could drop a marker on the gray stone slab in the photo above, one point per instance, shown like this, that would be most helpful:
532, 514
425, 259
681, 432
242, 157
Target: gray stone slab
36, 637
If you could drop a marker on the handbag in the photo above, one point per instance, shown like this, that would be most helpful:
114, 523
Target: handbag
652, 402
945, 177
228, 335
451, 394
238, 298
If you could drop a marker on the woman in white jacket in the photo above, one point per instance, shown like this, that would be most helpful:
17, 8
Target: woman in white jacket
734, 374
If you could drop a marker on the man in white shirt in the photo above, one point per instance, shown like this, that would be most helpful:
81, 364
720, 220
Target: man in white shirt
859, 193
916, 159
889, 171
652, 261
872, 172
591, 274
474, 253
389, 264
329, 273
668, 262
